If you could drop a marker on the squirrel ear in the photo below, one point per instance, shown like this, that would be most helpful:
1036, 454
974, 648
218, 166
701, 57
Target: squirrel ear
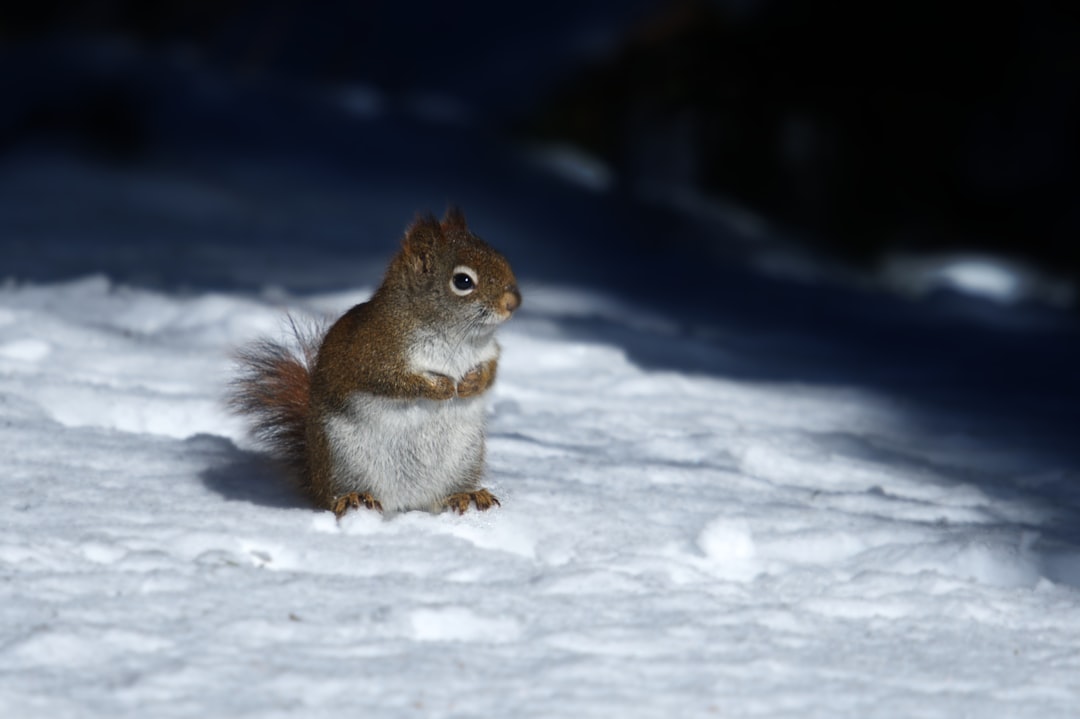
419, 244
454, 217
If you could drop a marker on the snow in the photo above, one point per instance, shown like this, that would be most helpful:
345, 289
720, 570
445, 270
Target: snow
992, 278
668, 544
574, 166
722, 494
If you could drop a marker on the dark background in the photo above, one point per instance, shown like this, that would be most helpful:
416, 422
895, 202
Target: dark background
856, 128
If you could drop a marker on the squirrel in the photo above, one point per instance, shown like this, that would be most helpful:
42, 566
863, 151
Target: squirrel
386, 410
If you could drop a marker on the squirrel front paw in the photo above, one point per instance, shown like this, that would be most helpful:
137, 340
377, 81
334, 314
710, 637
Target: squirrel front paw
353, 500
483, 499
439, 387
475, 382
472, 383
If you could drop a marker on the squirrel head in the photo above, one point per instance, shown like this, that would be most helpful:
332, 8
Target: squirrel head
452, 279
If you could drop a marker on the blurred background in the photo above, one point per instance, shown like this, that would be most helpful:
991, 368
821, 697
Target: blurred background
929, 146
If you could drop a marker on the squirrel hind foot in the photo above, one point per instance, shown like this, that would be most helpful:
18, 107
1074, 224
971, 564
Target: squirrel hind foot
483, 499
353, 500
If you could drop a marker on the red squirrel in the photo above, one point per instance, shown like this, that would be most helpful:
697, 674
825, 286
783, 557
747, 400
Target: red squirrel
386, 411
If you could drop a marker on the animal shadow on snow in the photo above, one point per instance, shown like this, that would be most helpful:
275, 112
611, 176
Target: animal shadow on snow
244, 476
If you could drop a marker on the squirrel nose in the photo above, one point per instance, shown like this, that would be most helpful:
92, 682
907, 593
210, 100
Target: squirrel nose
511, 299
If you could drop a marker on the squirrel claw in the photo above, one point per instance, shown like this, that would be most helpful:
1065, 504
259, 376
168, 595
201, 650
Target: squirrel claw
483, 499
354, 500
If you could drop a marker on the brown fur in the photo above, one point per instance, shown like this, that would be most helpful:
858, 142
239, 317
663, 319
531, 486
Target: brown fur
366, 351
273, 388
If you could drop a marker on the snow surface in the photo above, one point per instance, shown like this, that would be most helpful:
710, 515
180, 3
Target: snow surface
668, 544
722, 495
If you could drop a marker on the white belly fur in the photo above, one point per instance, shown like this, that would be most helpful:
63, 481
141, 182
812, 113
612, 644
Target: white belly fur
412, 454
431, 352
407, 454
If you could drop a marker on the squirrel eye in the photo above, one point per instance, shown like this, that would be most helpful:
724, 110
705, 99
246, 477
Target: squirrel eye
463, 280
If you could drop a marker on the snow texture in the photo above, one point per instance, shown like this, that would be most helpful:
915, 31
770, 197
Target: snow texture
701, 516
668, 544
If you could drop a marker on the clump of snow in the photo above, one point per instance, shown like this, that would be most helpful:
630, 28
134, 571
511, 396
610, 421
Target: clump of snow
729, 548
460, 624
574, 165
991, 278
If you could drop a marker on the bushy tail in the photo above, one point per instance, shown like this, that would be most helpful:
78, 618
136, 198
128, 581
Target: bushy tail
273, 390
